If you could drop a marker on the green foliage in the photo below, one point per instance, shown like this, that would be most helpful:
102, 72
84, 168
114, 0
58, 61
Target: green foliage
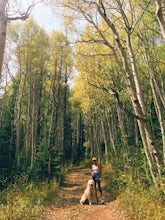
110, 177
77, 154
26, 200
86, 162
36, 122
46, 157
7, 153
135, 193
41, 132
40, 167
143, 203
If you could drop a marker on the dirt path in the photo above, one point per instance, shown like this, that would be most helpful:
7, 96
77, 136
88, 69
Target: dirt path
66, 204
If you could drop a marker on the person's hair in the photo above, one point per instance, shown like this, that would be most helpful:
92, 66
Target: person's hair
94, 159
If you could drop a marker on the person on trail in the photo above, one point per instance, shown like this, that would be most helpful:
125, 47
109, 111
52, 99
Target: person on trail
96, 176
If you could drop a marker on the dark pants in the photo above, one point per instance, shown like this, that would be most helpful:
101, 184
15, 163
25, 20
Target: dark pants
98, 183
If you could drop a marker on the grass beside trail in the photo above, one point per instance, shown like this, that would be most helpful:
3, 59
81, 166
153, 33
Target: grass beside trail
141, 202
26, 201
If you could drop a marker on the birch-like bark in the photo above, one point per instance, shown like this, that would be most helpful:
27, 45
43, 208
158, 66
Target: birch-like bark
136, 98
110, 133
96, 130
3, 27
105, 139
18, 118
33, 123
4, 17
160, 12
156, 98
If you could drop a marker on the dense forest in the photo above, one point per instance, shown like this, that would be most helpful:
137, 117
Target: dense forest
95, 89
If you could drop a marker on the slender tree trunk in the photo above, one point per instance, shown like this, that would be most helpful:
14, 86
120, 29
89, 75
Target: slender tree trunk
132, 81
135, 74
136, 132
160, 12
12, 117
30, 111
156, 97
123, 134
160, 118
66, 123
18, 123
94, 138
77, 129
33, 119
3, 27
147, 128
110, 132
105, 138
27, 127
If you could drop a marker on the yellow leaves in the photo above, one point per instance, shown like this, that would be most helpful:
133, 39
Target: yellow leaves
87, 96
80, 95
31, 45
97, 69
60, 49
86, 144
48, 86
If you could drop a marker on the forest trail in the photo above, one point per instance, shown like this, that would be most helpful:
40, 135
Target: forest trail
66, 203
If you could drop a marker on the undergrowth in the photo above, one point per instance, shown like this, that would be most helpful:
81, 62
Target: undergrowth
142, 202
26, 201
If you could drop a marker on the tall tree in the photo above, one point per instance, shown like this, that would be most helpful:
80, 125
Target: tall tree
6, 15
60, 68
160, 11
121, 19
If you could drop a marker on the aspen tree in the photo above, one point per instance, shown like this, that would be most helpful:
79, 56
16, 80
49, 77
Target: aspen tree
121, 21
5, 17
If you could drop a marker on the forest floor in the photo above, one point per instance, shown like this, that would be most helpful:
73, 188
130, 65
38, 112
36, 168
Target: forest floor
66, 204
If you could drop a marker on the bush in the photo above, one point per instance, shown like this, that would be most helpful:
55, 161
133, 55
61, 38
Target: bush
143, 203
111, 181
27, 201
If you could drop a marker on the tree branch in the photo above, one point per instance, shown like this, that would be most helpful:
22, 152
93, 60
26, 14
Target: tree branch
25, 15
116, 95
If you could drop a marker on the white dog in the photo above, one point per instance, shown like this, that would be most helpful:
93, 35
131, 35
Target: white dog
88, 193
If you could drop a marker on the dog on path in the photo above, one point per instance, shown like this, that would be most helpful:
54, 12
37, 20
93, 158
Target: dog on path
89, 193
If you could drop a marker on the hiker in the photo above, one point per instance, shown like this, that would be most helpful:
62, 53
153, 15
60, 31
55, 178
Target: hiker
96, 176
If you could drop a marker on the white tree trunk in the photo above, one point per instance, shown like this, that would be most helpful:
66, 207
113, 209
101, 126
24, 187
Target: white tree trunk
105, 139
160, 12
110, 133
3, 27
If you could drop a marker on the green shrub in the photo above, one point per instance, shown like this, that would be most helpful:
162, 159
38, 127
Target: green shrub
87, 163
111, 181
27, 201
143, 203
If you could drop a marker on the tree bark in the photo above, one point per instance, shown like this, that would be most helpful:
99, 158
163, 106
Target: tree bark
131, 77
105, 138
3, 28
160, 12
110, 132
157, 100
123, 134
3, 25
